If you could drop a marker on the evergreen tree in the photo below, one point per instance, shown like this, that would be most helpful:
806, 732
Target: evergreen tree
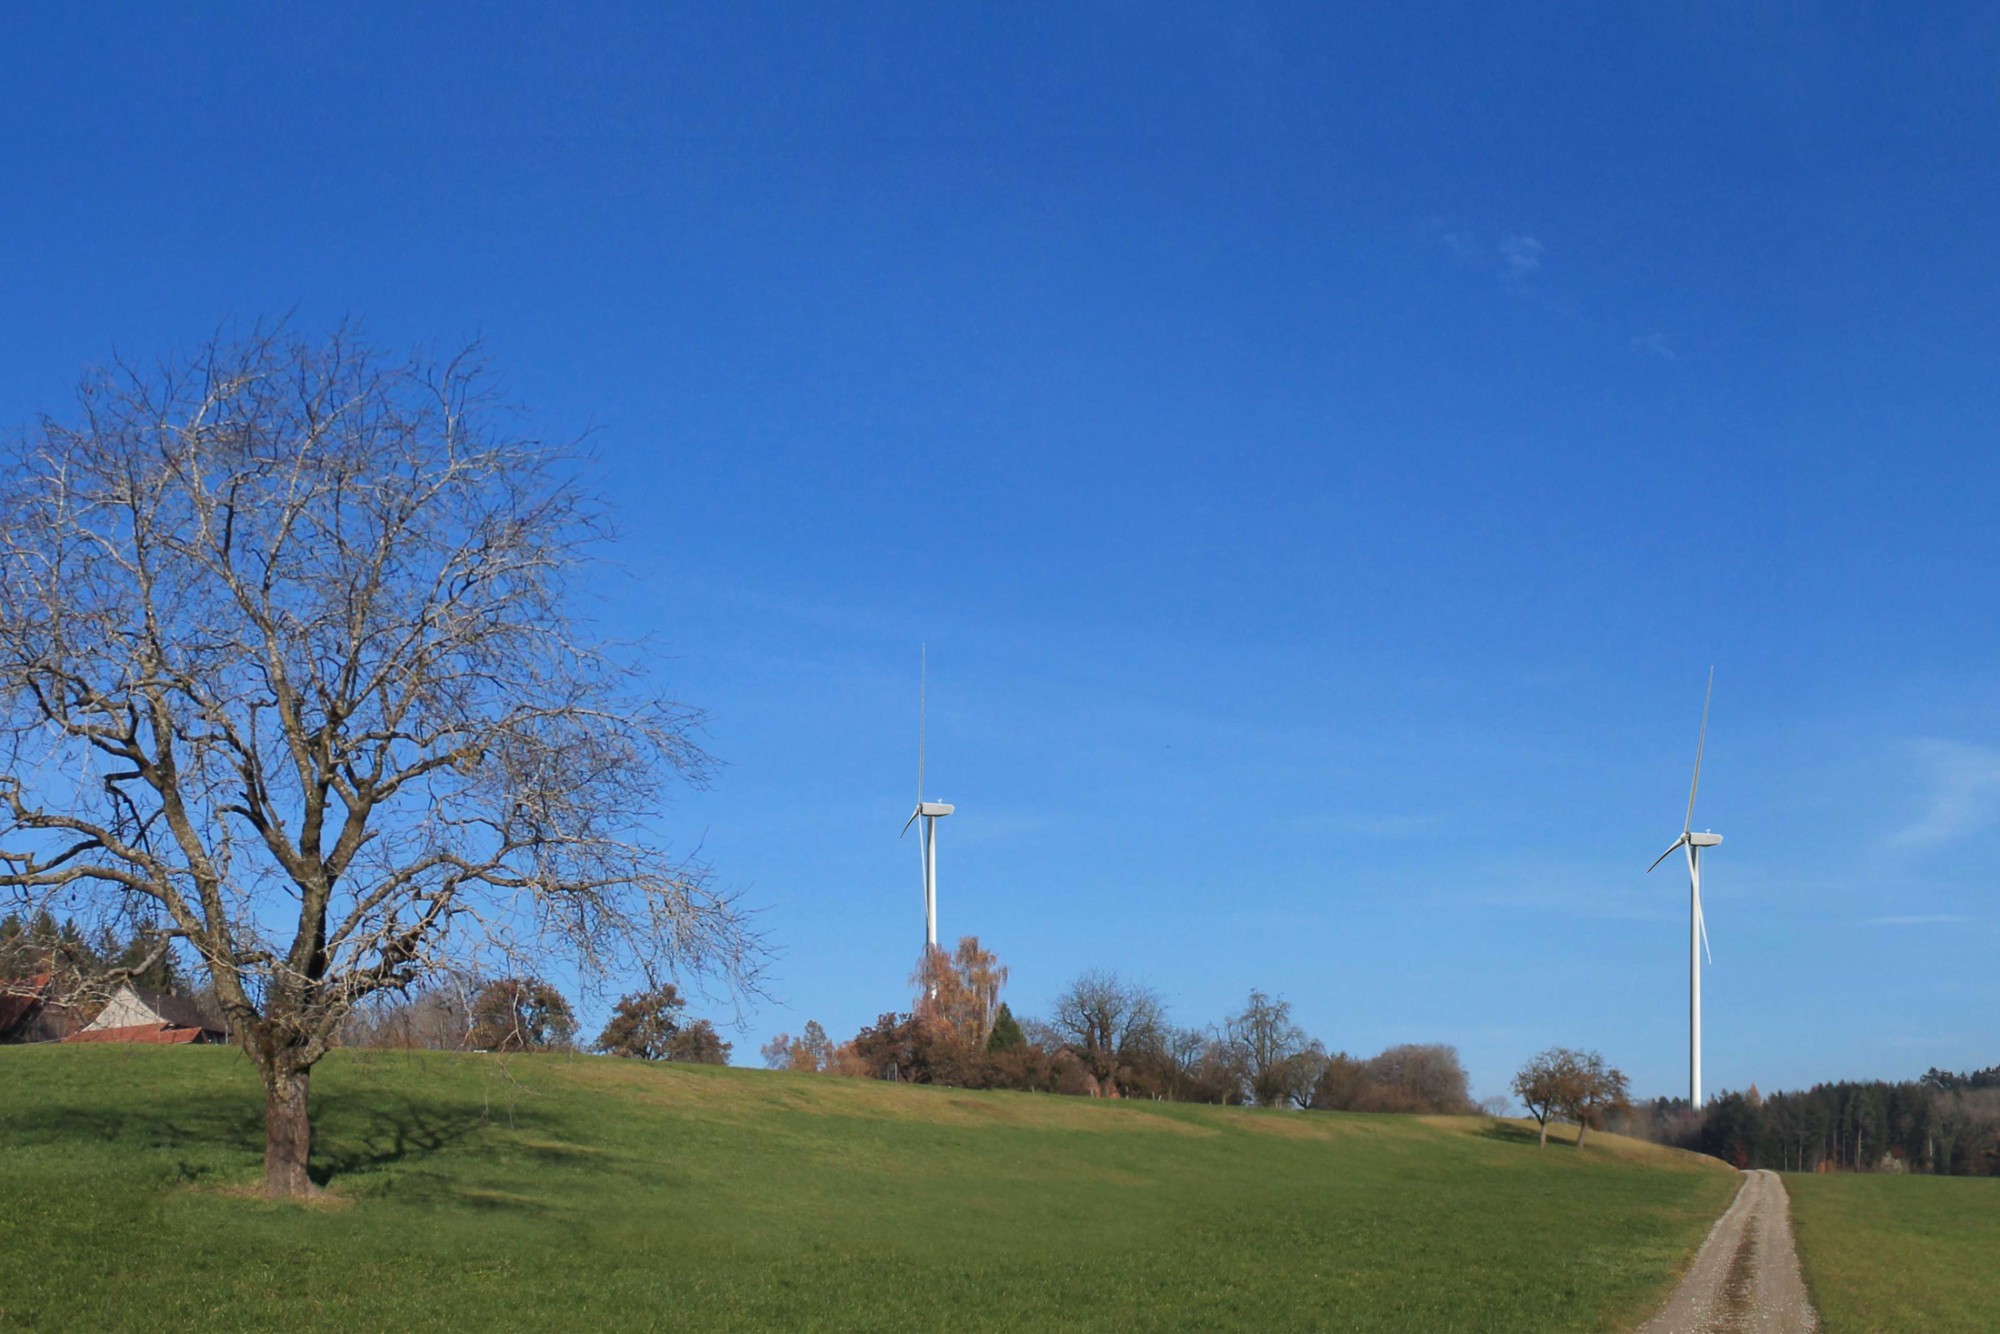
1006, 1031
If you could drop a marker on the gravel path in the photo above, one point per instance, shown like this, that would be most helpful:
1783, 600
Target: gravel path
1746, 1275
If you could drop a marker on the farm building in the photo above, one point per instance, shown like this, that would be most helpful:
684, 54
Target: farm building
149, 1016
29, 1011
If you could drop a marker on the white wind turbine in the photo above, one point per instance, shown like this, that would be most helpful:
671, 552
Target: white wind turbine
1697, 927
929, 811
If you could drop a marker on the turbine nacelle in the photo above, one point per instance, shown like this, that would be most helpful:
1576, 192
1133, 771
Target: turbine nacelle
934, 809
1701, 840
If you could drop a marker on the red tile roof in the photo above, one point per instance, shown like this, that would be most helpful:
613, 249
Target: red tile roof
163, 1035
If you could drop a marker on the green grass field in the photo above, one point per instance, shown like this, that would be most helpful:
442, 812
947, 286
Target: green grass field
550, 1192
1900, 1252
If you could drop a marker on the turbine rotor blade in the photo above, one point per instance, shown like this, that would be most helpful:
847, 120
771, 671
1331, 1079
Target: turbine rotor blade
1668, 853
1701, 924
1688, 824
920, 810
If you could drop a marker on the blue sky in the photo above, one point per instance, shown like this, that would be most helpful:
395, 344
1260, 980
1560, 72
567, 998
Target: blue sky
1324, 452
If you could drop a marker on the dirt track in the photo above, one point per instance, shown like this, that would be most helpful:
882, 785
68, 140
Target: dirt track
1746, 1275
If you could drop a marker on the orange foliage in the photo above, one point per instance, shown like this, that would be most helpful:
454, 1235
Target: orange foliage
958, 996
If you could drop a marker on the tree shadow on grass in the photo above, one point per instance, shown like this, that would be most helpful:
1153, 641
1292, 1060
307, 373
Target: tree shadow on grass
224, 1132
390, 1135
1507, 1132
211, 1120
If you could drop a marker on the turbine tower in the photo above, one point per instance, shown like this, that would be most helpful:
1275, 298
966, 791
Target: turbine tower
929, 811
1693, 843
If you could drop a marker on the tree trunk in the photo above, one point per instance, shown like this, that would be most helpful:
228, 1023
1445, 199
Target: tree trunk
1580, 1129
1545, 1132
287, 1135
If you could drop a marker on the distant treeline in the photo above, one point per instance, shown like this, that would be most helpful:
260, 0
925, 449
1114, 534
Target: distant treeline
1944, 1123
510, 1014
1108, 1036
72, 958
55, 977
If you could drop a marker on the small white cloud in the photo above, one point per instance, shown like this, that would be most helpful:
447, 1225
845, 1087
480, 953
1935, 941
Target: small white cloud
1520, 257
1963, 797
1655, 344
1462, 246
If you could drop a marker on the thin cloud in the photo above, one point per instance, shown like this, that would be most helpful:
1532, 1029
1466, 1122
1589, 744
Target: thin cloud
1513, 259
1520, 258
1962, 797
1461, 245
1515, 263
1655, 345
1934, 919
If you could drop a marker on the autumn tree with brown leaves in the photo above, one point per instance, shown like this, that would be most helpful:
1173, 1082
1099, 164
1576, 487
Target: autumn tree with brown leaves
1549, 1084
958, 1000
810, 1052
1425, 1078
521, 1014
1599, 1091
652, 1025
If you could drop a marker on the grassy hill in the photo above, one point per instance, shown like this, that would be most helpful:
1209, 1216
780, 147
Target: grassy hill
477, 1191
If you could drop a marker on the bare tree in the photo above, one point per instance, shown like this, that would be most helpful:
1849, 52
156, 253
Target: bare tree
1281, 1063
288, 655
1111, 1024
435, 1018
1183, 1051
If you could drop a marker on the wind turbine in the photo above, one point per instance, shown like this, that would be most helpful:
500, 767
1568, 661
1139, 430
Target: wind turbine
1693, 843
929, 811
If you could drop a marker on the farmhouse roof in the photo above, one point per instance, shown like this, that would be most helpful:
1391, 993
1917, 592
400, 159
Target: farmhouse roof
180, 1011
131, 1009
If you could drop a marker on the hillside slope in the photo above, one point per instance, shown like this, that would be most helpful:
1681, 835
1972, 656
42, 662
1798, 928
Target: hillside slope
480, 1191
